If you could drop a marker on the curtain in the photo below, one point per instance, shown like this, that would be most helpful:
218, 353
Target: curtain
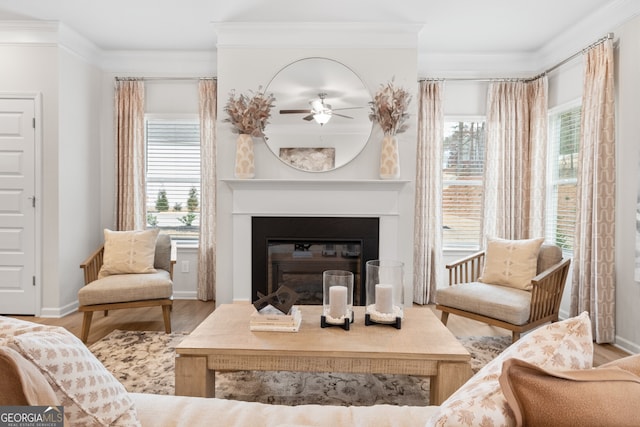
130, 151
515, 160
428, 208
207, 91
593, 279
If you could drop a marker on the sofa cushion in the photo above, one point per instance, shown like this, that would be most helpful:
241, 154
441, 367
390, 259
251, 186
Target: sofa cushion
585, 397
126, 287
22, 383
511, 262
10, 327
181, 411
563, 345
128, 252
89, 393
498, 302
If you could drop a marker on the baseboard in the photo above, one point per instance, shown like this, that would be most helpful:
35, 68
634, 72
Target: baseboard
185, 295
57, 312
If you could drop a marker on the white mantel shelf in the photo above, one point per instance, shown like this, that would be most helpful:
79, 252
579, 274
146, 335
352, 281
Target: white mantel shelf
283, 184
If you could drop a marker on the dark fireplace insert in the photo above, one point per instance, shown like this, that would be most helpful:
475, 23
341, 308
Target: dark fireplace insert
295, 251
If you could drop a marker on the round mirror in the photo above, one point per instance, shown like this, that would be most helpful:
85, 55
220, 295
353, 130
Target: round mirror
321, 118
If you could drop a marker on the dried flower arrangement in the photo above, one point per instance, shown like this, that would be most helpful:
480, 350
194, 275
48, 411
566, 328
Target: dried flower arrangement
389, 108
249, 114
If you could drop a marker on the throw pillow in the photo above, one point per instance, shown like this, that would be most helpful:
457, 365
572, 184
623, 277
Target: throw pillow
89, 393
562, 345
511, 262
10, 327
587, 397
22, 383
128, 252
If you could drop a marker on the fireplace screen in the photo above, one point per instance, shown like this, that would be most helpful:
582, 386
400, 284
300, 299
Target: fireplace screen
299, 266
295, 251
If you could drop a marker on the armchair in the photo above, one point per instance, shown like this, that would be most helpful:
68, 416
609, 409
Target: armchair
515, 309
128, 290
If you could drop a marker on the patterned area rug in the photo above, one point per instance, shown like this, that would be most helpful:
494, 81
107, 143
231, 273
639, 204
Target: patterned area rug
144, 363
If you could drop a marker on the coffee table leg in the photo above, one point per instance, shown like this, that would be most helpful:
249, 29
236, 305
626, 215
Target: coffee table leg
193, 378
451, 376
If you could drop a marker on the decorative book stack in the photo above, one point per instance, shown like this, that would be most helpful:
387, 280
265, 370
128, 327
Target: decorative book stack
272, 319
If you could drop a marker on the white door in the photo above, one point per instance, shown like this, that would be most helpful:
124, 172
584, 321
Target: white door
17, 207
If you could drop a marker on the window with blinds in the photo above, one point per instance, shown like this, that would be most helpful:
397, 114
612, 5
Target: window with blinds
564, 138
173, 175
462, 175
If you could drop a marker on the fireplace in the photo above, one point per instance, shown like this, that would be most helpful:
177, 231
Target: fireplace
294, 252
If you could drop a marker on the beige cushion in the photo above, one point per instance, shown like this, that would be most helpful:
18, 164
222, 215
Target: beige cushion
586, 397
128, 252
162, 258
563, 345
498, 302
22, 383
548, 256
90, 394
511, 262
10, 327
127, 287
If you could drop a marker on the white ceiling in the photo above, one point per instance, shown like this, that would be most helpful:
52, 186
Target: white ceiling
451, 26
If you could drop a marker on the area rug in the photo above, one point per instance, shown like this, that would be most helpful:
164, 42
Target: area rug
144, 363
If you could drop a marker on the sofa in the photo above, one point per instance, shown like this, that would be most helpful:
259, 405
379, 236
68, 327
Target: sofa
45, 365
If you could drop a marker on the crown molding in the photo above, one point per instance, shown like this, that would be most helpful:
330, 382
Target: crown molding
36, 33
333, 35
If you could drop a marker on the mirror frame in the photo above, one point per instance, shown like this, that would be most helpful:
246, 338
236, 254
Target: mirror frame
304, 144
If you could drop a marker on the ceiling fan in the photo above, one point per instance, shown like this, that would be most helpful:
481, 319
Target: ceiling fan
320, 111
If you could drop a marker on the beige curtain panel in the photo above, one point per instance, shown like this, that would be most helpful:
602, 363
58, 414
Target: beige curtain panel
131, 209
207, 90
515, 176
428, 208
593, 281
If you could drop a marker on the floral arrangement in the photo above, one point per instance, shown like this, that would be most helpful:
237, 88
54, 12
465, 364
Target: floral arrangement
389, 108
249, 114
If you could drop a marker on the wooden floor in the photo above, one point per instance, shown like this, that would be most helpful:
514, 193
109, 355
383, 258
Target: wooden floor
187, 314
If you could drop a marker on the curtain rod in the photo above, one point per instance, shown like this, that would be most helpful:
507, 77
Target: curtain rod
601, 40
164, 78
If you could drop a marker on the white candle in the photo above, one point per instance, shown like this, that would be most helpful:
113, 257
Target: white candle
337, 301
384, 298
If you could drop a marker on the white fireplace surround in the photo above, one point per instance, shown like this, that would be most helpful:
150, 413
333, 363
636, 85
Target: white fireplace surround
310, 198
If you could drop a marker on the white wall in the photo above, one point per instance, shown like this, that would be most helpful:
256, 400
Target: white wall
246, 68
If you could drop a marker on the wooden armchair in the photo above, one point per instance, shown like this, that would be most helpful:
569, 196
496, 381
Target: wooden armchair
128, 290
514, 309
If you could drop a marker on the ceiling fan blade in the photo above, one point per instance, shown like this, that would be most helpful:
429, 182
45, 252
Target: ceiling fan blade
294, 111
341, 115
347, 108
308, 118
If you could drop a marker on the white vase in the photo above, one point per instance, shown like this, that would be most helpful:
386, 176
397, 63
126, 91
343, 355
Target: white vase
389, 158
244, 157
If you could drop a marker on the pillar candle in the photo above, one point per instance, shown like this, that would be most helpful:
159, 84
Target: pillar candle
384, 298
337, 301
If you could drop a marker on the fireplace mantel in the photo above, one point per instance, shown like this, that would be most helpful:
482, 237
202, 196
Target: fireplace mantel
311, 198
283, 184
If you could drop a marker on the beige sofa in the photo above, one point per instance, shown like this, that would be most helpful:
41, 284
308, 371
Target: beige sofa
42, 365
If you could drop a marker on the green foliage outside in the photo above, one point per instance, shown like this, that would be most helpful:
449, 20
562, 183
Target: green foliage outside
162, 202
177, 207
152, 220
187, 219
192, 201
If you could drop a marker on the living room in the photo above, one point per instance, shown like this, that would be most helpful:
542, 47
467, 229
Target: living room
75, 79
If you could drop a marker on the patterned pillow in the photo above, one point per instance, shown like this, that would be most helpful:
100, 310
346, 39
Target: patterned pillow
563, 345
90, 395
128, 252
511, 262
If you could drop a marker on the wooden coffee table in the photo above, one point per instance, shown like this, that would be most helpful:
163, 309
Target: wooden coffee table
223, 342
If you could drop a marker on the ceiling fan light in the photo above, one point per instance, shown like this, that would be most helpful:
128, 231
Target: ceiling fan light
322, 118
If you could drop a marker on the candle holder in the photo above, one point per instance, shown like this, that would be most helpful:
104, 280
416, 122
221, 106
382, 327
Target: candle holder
385, 293
337, 299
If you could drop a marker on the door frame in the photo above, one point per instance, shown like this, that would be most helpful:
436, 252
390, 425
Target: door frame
36, 97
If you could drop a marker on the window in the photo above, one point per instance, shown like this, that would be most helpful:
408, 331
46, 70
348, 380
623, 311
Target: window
564, 136
462, 181
173, 175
